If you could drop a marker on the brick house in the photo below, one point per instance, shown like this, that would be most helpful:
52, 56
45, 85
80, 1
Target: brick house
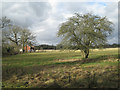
28, 48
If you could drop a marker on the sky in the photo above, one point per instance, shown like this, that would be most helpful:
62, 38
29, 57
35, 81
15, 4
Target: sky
44, 18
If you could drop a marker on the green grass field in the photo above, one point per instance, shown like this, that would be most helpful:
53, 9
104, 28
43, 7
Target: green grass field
61, 69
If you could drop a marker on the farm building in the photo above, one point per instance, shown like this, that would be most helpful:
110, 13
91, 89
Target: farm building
28, 48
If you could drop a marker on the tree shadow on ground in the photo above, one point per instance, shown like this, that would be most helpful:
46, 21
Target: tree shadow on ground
7, 72
90, 60
107, 80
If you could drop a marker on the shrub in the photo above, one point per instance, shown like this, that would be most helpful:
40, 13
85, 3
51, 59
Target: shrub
9, 50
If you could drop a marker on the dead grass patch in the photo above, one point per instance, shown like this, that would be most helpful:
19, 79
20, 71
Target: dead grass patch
67, 60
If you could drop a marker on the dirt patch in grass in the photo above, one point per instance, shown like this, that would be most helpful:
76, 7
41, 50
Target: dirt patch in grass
67, 60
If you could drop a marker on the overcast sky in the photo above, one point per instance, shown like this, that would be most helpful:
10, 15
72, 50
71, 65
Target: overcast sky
44, 18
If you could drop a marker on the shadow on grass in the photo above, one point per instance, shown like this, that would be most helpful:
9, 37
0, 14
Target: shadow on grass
7, 72
90, 60
107, 80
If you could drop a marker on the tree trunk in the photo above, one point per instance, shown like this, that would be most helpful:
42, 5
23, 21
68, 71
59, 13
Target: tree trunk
16, 43
26, 48
23, 48
86, 51
87, 55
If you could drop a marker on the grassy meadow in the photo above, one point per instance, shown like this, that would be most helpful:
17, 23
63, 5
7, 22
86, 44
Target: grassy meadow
62, 69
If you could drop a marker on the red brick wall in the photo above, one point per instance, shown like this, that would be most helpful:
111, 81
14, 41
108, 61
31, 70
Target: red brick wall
27, 48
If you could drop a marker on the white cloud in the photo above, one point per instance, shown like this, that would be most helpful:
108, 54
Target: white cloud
66, 16
44, 18
26, 14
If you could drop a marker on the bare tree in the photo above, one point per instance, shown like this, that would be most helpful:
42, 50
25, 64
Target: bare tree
13, 34
4, 22
27, 38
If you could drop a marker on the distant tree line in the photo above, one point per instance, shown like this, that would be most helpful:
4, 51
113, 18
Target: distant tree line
114, 45
44, 46
60, 46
